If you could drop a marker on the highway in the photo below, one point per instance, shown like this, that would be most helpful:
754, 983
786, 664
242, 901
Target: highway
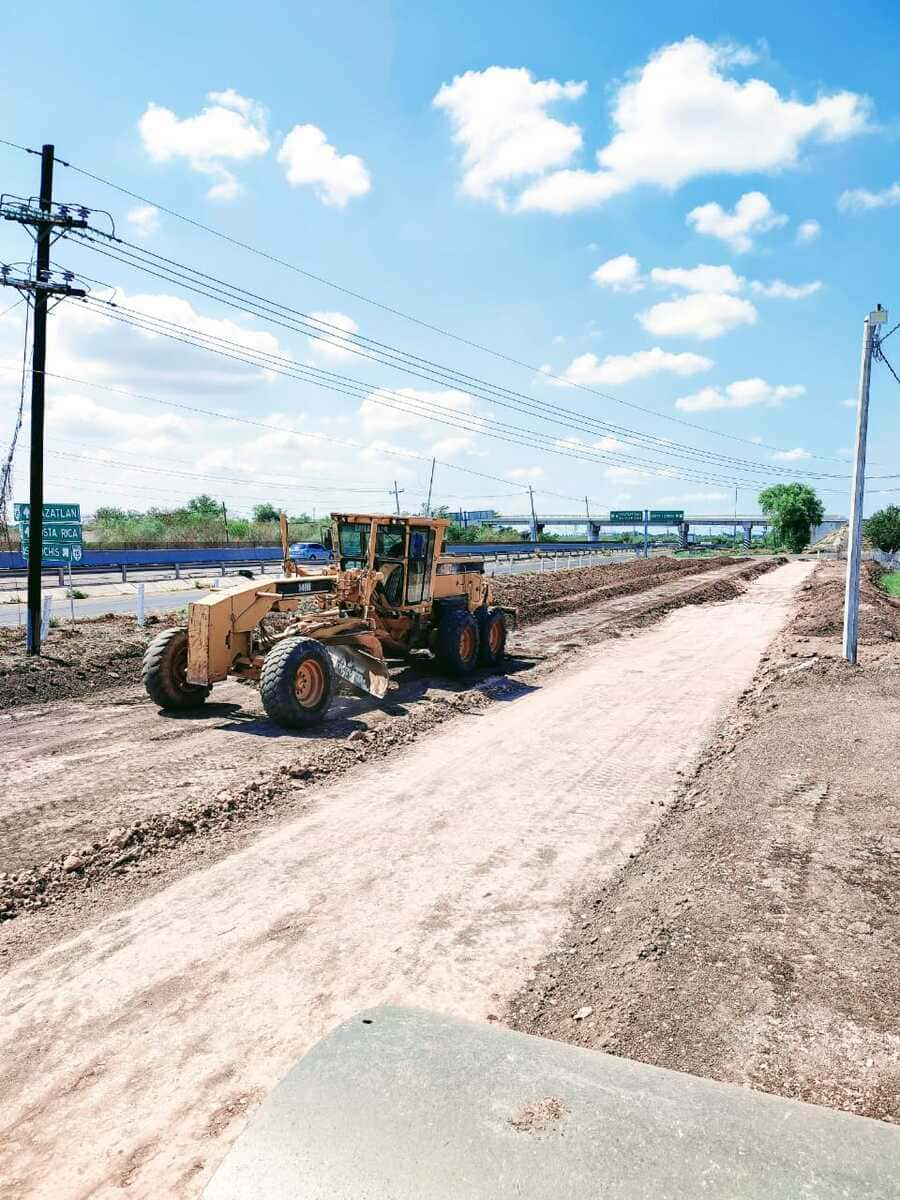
96, 606
14, 614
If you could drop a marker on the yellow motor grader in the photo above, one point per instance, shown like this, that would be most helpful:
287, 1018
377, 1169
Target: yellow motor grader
391, 589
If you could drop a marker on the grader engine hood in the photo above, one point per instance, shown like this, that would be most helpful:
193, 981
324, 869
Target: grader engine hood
220, 625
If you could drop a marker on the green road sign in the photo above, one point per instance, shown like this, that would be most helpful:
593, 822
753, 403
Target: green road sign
627, 516
61, 534
54, 531
672, 516
57, 553
68, 513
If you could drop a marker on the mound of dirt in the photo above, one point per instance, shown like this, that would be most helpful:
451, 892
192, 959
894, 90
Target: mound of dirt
821, 612
542, 595
753, 938
837, 540
101, 653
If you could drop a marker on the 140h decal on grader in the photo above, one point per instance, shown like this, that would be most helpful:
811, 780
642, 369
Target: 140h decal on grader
390, 591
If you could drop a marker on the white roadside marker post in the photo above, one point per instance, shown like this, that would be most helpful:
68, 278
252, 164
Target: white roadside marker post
45, 614
71, 593
140, 604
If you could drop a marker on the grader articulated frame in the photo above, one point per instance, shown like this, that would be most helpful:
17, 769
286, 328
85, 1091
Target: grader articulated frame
390, 590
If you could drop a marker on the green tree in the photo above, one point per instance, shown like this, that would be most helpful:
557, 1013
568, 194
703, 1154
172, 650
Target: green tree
792, 509
204, 506
883, 529
265, 513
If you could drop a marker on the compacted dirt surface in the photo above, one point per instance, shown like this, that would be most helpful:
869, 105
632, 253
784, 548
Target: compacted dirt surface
86, 770
140, 1034
755, 937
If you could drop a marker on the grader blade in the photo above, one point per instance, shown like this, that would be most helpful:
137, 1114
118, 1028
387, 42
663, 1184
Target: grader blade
360, 671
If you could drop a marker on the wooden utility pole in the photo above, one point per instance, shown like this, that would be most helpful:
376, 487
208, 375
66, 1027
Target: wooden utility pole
38, 363
44, 220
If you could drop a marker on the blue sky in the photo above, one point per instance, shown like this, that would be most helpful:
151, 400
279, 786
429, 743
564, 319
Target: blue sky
543, 181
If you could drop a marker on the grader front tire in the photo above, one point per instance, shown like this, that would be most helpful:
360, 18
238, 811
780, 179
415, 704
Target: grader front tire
458, 641
164, 672
297, 682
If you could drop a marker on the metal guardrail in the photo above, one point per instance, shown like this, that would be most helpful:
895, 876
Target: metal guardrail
222, 557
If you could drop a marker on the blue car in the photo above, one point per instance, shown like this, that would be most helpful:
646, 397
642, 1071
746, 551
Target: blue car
310, 552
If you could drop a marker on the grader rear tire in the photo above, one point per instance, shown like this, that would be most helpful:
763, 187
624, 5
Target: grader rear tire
164, 672
492, 622
458, 641
297, 682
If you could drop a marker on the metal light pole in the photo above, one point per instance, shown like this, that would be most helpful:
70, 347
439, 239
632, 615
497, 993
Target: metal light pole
854, 544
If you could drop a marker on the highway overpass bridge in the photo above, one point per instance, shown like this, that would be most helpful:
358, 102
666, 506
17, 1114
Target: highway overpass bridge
596, 525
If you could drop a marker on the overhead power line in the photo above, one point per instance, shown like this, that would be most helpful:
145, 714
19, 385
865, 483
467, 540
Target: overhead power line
483, 426
237, 242
470, 423
390, 452
320, 330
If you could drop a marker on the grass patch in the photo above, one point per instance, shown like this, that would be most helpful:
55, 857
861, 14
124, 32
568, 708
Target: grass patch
891, 583
76, 594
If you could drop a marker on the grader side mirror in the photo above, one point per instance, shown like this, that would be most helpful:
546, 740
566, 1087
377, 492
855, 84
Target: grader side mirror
327, 540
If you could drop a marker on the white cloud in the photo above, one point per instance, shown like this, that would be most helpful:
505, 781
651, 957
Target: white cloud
703, 278
692, 498
336, 327
379, 412
144, 220
757, 440
753, 214
808, 231
798, 454
88, 345
702, 315
860, 200
852, 403
608, 445
309, 158
681, 117
84, 419
622, 274
500, 121
624, 368
231, 128
525, 473
454, 447
779, 290
743, 393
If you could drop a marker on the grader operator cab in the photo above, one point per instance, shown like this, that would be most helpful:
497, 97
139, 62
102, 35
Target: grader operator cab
391, 590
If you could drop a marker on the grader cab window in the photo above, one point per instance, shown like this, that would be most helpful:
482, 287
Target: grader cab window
354, 545
421, 553
389, 552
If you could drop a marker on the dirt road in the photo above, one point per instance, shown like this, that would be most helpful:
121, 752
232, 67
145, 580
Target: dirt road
132, 1053
76, 769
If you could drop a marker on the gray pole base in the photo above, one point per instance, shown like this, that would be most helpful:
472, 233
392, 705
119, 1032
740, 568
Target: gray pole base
399, 1104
